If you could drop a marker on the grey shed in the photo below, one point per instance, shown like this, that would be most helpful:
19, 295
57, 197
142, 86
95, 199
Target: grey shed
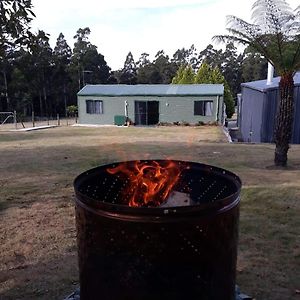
257, 110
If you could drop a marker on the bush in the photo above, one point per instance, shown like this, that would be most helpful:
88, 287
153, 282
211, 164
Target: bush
72, 110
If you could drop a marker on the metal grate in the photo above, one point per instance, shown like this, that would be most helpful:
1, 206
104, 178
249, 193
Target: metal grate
202, 183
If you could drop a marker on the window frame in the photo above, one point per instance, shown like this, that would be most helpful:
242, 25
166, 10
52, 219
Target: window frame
94, 107
200, 108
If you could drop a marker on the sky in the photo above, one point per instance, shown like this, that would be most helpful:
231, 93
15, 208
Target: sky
120, 26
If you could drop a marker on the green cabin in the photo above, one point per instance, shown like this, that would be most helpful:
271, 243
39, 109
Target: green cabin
150, 104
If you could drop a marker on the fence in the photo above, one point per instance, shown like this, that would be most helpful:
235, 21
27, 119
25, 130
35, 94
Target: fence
11, 120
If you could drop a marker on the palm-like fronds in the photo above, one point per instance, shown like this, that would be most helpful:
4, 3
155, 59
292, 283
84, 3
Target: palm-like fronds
275, 33
272, 15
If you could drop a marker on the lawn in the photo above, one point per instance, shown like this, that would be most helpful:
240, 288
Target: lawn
37, 226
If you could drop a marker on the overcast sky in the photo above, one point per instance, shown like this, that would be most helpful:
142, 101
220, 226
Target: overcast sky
120, 26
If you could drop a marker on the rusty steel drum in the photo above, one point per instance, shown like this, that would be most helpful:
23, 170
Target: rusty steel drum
142, 253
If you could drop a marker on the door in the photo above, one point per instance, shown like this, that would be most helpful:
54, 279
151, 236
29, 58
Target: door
146, 112
140, 112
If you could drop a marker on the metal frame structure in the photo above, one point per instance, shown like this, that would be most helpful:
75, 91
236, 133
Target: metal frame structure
10, 115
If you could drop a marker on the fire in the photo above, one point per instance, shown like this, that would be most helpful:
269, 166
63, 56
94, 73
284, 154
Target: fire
150, 182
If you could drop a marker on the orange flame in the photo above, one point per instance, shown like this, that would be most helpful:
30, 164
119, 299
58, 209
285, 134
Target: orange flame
150, 183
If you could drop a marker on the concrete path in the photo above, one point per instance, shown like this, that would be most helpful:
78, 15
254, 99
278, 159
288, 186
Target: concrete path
34, 128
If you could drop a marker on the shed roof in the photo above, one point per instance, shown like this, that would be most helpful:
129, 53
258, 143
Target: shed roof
151, 90
262, 86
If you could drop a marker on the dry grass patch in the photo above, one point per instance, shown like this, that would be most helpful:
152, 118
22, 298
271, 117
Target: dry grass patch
37, 228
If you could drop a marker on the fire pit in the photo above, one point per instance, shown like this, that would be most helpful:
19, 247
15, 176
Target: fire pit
178, 243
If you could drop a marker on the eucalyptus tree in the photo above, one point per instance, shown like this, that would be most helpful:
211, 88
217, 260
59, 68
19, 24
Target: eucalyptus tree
147, 72
166, 68
211, 56
41, 62
186, 57
231, 67
153, 72
160, 70
62, 56
19, 84
62, 51
275, 33
254, 66
143, 60
81, 46
15, 18
87, 65
128, 75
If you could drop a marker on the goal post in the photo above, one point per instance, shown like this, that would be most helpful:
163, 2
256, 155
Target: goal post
5, 116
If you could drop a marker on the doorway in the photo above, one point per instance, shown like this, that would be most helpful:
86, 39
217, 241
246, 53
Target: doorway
146, 112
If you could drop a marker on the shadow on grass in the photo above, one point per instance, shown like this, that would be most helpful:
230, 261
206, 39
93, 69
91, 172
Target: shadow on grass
53, 279
29, 174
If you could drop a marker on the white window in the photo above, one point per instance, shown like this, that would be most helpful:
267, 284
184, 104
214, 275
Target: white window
94, 106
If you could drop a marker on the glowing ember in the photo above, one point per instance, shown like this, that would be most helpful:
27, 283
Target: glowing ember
150, 183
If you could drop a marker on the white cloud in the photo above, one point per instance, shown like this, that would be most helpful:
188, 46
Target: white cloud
180, 28
119, 26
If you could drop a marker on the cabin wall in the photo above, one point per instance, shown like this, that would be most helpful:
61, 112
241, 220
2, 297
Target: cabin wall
171, 109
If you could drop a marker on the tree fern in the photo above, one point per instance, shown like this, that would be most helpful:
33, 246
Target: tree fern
275, 33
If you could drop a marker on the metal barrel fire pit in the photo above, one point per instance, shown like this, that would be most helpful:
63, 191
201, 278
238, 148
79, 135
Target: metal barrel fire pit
185, 248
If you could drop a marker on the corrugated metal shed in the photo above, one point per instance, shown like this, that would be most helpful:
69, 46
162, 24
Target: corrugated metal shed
258, 109
261, 85
151, 90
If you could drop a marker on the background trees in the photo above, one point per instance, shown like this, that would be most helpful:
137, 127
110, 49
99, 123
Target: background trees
15, 17
206, 74
35, 77
128, 75
87, 65
254, 66
160, 71
61, 80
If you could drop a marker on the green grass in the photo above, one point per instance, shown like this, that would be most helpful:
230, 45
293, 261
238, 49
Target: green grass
37, 227
269, 241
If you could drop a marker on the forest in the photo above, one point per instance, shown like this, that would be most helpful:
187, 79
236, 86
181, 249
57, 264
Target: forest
35, 77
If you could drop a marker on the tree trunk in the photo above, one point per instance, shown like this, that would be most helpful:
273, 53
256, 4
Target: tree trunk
65, 99
284, 119
41, 104
45, 100
6, 91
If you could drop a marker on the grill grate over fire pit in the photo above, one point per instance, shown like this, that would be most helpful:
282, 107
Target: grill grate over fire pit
184, 247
